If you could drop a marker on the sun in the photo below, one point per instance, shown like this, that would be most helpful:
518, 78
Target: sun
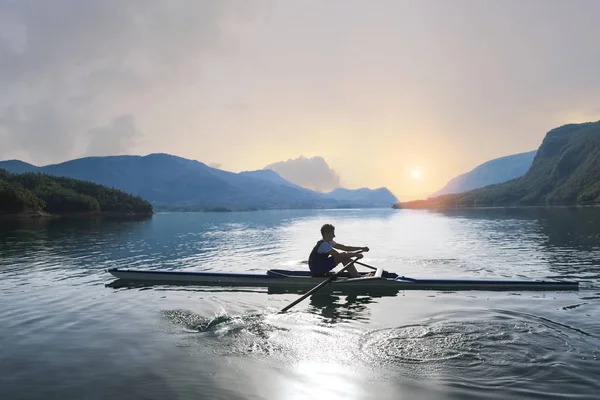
416, 174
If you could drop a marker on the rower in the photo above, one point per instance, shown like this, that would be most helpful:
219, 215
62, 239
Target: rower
323, 257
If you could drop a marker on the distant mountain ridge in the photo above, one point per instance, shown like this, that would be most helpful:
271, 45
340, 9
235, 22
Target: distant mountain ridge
270, 176
18, 167
175, 183
379, 197
499, 170
565, 171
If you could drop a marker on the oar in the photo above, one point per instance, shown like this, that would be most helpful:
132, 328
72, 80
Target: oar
319, 286
365, 265
404, 278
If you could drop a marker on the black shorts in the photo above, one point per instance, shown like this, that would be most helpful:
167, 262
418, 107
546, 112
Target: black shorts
323, 268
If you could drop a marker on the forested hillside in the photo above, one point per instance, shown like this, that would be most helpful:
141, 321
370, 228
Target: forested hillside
41, 193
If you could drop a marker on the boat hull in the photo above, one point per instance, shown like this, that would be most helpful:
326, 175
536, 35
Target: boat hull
302, 280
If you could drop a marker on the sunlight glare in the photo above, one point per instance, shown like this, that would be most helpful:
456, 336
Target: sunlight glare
416, 174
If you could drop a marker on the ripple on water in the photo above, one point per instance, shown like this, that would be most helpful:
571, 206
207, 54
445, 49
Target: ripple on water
488, 351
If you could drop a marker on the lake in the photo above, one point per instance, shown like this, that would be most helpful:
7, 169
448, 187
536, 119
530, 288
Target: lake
65, 334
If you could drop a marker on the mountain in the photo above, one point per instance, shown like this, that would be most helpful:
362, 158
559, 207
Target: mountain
381, 197
270, 176
17, 166
495, 171
175, 183
363, 197
565, 171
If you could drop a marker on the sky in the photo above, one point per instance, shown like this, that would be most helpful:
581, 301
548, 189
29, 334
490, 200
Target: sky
394, 93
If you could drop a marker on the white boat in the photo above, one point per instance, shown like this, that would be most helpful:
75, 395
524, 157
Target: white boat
277, 278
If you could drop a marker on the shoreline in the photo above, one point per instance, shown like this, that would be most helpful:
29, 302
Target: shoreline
42, 215
441, 208
39, 215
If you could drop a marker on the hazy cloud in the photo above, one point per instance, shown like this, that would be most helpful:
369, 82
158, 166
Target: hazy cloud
312, 173
43, 128
70, 65
120, 137
215, 165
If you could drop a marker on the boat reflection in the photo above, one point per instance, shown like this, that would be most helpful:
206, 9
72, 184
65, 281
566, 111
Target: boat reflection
338, 308
342, 303
383, 291
335, 304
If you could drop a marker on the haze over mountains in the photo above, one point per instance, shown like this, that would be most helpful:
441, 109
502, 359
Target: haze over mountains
174, 183
495, 171
565, 171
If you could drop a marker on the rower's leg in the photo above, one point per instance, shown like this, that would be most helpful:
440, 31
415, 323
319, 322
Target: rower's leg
352, 271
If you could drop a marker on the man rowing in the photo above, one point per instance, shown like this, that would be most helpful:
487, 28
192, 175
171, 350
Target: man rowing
323, 257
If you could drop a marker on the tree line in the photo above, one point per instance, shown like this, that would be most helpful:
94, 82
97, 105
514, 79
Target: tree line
36, 192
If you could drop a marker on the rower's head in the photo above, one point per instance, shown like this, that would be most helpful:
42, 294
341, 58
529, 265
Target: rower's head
328, 232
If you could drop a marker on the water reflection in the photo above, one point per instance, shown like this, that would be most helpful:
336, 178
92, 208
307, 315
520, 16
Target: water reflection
336, 308
567, 238
574, 227
61, 225
77, 231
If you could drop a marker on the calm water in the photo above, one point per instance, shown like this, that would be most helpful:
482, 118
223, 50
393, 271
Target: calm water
65, 334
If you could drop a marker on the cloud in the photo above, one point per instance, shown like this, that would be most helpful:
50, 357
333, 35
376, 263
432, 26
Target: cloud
119, 137
41, 128
312, 173
71, 65
215, 165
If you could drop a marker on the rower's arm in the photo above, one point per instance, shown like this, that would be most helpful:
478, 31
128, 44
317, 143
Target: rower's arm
347, 248
342, 257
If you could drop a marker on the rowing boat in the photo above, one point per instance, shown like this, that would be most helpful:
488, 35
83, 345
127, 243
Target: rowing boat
303, 280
